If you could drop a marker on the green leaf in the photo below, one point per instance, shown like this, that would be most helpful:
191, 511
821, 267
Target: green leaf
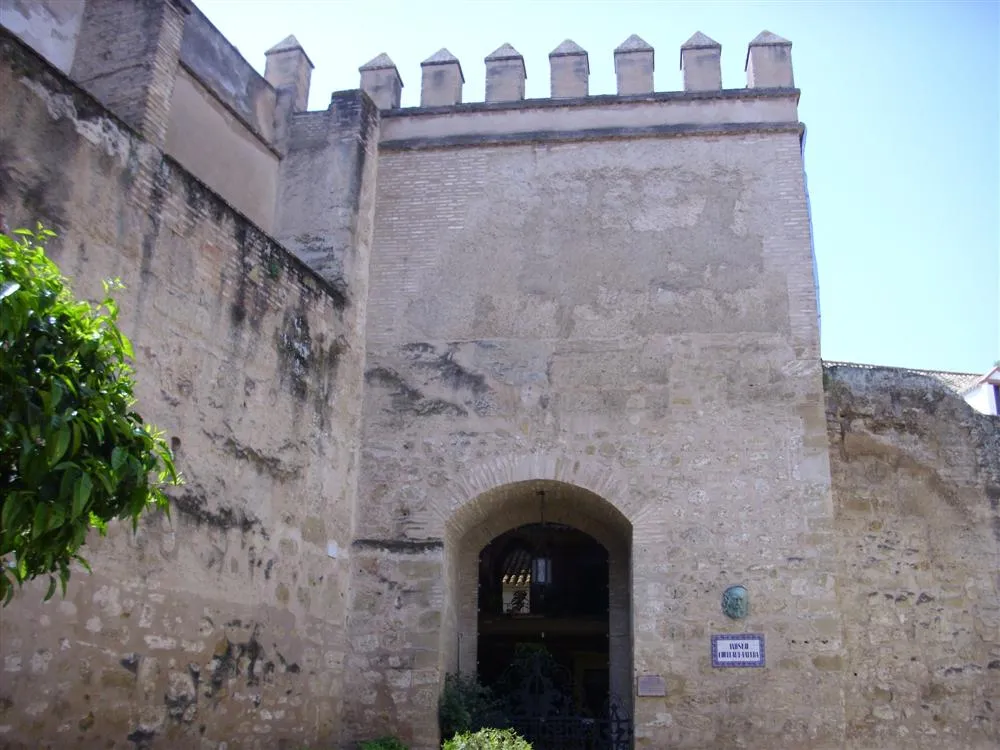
68, 480
56, 518
59, 445
98, 523
52, 588
8, 288
39, 523
77, 430
11, 506
57, 392
102, 475
83, 562
79, 503
46, 398
118, 456
82, 490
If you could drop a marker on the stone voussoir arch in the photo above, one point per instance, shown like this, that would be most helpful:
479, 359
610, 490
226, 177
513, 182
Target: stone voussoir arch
475, 497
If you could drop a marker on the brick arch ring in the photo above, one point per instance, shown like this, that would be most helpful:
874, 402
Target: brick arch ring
489, 497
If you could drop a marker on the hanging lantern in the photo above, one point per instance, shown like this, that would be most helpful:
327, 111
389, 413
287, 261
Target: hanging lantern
541, 571
541, 564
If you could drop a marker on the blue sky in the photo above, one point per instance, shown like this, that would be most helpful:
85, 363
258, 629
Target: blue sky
901, 101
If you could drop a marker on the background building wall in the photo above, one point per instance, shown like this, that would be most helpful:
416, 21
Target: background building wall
222, 121
916, 480
224, 623
218, 112
983, 398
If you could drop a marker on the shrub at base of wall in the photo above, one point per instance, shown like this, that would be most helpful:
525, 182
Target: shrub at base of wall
488, 739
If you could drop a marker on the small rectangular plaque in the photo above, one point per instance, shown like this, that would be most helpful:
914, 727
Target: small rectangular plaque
651, 686
738, 650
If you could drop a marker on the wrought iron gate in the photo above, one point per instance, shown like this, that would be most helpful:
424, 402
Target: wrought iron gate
537, 696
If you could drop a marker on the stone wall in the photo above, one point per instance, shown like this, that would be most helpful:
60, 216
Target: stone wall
153, 60
126, 58
225, 622
225, 72
631, 314
210, 141
916, 480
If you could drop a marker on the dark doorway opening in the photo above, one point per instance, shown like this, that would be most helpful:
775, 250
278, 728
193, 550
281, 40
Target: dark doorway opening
543, 643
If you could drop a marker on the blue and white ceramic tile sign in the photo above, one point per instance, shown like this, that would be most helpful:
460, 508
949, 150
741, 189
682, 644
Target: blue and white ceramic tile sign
738, 650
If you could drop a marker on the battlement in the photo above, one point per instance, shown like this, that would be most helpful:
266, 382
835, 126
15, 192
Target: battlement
189, 90
768, 101
218, 93
768, 66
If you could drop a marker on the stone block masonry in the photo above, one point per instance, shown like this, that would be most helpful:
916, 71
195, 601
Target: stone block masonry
653, 329
916, 478
225, 623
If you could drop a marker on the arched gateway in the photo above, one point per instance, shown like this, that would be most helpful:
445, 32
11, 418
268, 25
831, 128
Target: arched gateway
542, 567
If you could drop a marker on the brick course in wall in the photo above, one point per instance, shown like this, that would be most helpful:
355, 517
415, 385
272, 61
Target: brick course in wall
126, 56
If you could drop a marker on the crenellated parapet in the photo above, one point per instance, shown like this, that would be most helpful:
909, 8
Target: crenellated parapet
289, 67
381, 81
570, 71
768, 66
634, 66
769, 62
441, 80
701, 63
505, 75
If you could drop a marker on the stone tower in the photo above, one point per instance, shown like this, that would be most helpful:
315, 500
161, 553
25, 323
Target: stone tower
608, 301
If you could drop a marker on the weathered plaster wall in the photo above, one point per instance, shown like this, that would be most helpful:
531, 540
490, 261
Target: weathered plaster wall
50, 27
916, 479
223, 70
207, 139
225, 623
635, 317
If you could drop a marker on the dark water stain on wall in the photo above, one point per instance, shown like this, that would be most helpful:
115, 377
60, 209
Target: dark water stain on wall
409, 400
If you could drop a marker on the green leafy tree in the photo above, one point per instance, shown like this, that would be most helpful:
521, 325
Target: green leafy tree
73, 453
